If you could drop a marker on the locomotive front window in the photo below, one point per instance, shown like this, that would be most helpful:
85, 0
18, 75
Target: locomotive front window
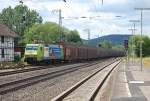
31, 48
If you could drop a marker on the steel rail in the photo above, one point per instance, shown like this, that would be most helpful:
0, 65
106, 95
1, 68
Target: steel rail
18, 84
6, 73
74, 87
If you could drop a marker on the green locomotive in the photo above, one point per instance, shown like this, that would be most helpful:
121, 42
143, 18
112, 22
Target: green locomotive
43, 53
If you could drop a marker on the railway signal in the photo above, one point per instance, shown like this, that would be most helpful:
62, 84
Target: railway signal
126, 44
126, 49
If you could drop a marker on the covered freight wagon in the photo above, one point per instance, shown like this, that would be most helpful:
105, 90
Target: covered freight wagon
77, 52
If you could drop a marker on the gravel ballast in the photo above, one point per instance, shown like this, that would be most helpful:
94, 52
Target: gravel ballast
44, 91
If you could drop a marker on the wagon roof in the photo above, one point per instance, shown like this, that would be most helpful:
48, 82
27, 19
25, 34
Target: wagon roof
5, 31
76, 45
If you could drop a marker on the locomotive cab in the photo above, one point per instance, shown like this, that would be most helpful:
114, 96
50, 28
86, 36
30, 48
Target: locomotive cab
34, 52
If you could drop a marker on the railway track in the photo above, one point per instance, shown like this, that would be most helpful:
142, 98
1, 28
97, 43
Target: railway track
87, 89
34, 68
18, 84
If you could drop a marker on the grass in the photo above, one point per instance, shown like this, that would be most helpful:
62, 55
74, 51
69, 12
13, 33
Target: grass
11, 65
146, 61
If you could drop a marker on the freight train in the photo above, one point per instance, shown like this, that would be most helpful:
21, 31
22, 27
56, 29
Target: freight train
51, 53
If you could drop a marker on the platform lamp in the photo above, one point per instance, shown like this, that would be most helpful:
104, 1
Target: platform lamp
141, 42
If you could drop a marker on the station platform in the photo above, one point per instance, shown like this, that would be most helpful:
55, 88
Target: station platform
131, 84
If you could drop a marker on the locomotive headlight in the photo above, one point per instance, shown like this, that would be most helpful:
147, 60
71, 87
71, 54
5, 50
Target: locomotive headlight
30, 53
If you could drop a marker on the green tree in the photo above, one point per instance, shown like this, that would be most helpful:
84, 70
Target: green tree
74, 36
118, 47
136, 41
49, 32
19, 18
105, 44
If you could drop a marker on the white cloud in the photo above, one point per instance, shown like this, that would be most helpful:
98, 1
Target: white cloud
108, 23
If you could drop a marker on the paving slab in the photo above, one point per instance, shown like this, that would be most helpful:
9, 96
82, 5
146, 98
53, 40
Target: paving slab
146, 91
131, 83
121, 89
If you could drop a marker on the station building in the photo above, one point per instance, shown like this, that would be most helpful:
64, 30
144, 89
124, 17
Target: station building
7, 38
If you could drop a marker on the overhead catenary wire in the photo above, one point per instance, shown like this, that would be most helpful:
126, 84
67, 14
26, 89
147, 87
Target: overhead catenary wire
72, 9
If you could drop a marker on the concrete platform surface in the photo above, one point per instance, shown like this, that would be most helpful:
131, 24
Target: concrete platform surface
131, 84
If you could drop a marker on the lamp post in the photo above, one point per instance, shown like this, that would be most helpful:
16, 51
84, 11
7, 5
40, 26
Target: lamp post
141, 44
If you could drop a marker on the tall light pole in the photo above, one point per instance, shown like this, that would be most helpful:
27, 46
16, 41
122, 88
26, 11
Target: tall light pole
141, 44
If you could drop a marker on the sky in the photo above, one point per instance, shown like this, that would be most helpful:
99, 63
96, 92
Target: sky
110, 18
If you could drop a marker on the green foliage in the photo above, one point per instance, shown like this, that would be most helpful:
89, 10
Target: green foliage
108, 45
48, 32
118, 47
74, 36
136, 44
28, 24
17, 59
105, 44
19, 18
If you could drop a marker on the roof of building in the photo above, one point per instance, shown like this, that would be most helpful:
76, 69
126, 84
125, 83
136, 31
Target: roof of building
5, 31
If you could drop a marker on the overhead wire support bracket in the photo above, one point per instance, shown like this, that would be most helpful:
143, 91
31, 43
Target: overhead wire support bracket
102, 2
